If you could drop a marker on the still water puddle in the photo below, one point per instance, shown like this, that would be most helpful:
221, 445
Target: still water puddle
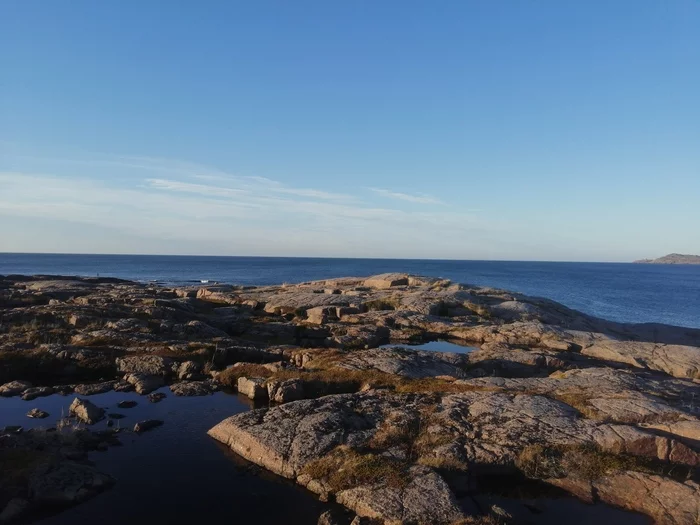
440, 345
175, 474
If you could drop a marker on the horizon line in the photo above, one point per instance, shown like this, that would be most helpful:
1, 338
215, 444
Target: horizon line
316, 257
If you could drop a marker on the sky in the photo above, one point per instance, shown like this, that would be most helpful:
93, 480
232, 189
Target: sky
462, 129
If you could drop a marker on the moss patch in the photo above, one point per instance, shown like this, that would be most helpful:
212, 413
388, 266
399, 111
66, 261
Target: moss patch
589, 462
345, 468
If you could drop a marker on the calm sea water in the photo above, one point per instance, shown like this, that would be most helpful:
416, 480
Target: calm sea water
635, 293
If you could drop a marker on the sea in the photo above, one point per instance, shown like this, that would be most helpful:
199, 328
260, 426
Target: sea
632, 293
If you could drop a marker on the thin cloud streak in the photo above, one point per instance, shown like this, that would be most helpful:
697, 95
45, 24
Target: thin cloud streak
418, 199
190, 205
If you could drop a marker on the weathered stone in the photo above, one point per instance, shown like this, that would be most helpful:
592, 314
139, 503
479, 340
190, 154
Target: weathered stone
86, 411
156, 397
79, 321
253, 387
144, 384
36, 413
665, 500
13, 388
148, 365
387, 280
66, 483
94, 388
675, 360
191, 388
38, 391
285, 391
426, 499
404, 362
189, 370
148, 424
320, 314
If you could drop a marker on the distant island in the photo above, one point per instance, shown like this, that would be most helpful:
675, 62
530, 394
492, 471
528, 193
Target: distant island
673, 258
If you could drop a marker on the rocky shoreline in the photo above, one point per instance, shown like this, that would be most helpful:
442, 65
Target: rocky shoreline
603, 411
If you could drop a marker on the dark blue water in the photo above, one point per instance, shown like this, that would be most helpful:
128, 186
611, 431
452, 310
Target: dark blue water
175, 474
437, 346
633, 293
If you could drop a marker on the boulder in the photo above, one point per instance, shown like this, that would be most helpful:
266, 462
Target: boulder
36, 413
386, 280
94, 388
253, 387
156, 397
66, 483
38, 391
144, 384
13, 388
192, 388
148, 424
320, 314
426, 498
86, 411
149, 365
285, 391
189, 370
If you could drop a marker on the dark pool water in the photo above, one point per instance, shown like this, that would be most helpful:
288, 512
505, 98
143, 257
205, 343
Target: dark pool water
437, 346
175, 474
558, 511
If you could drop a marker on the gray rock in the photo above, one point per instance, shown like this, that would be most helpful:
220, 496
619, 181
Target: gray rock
479, 427
86, 411
405, 362
36, 413
285, 391
192, 388
253, 387
149, 365
189, 370
330, 517
38, 391
66, 483
156, 397
148, 424
144, 384
321, 314
13, 388
387, 280
91, 389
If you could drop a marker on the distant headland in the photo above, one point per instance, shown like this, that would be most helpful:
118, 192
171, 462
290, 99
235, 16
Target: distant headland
673, 258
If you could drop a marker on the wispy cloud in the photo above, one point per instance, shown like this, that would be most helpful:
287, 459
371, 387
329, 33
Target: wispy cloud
420, 198
202, 189
193, 205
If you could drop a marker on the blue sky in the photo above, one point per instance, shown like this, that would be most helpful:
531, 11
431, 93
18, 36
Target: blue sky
525, 130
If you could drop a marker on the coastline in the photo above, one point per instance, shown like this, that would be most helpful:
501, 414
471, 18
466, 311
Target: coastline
316, 356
